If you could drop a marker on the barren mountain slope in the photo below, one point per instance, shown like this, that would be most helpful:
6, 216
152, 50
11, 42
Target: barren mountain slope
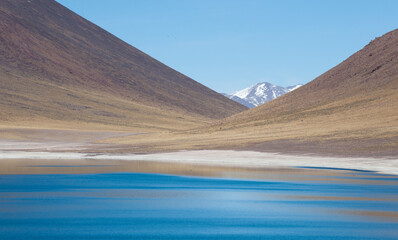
56, 66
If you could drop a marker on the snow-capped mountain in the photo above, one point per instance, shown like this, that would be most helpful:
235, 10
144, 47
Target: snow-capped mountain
260, 93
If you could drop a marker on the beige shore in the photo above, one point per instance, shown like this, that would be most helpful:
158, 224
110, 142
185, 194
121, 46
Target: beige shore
223, 158
268, 160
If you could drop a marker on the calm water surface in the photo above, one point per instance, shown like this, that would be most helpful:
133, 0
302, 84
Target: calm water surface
156, 206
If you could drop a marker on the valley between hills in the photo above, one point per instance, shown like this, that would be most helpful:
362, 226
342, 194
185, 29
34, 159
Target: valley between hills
67, 82
351, 110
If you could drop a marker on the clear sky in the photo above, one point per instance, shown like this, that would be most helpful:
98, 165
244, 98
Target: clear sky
228, 45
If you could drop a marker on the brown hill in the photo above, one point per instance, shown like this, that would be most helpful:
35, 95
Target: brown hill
351, 109
55, 66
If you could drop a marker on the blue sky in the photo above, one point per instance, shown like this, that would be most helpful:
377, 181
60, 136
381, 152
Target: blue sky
228, 45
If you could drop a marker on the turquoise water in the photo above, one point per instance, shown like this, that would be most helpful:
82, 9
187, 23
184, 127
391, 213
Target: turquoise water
154, 206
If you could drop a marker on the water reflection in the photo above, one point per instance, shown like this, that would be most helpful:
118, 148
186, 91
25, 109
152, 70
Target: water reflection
232, 204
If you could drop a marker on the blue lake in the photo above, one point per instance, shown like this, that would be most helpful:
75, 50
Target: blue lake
156, 206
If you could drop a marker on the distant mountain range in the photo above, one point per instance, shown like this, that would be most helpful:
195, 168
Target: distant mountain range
260, 93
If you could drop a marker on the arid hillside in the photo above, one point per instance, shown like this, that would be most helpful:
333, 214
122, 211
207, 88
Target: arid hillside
351, 109
56, 68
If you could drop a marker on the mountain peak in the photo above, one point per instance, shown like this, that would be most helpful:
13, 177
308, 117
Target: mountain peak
260, 93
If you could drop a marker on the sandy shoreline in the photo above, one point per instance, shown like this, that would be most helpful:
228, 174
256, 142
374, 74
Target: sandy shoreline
224, 158
48, 144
